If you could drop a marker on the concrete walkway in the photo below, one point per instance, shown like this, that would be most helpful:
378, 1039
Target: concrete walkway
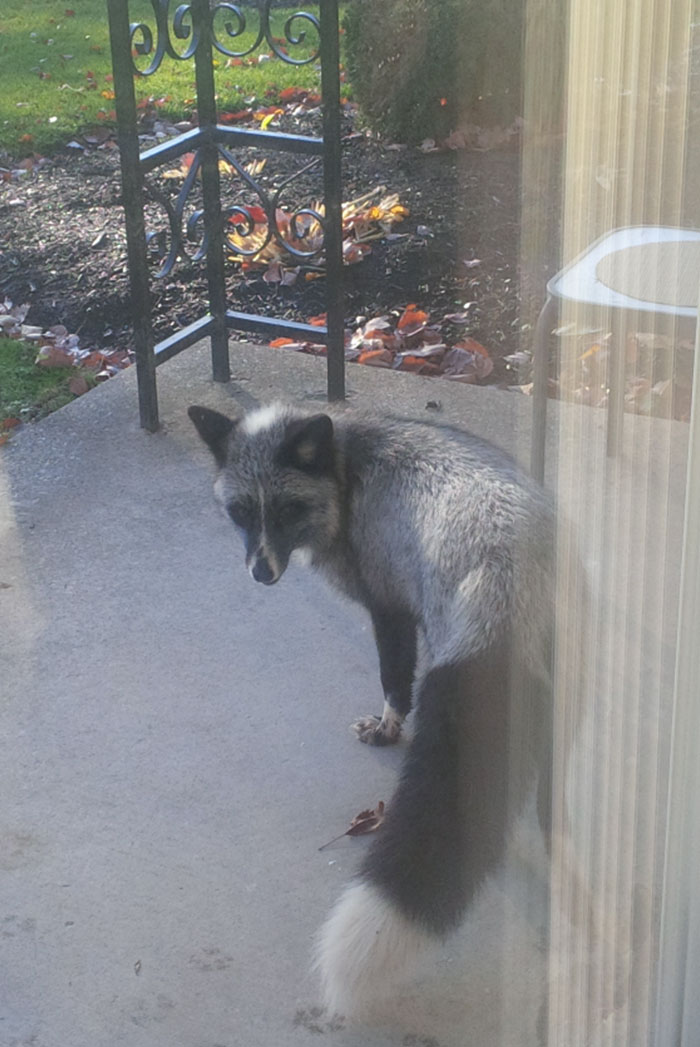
175, 747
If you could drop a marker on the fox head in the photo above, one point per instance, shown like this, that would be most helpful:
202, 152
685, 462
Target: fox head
277, 482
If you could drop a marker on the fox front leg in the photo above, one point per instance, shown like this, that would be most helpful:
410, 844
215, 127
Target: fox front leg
395, 634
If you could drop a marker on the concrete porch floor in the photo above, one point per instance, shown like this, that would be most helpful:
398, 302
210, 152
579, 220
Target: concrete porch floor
175, 746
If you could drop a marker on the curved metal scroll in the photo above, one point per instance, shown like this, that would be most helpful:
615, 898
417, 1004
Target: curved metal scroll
299, 222
183, 25
175, 211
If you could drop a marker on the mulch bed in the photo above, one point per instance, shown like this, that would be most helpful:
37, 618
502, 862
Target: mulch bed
63, 246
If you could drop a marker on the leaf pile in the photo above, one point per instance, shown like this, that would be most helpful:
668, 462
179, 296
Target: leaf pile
658, 375
56, 347
408, 342
367, 218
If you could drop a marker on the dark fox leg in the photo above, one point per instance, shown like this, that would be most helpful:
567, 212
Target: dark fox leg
395, 634
445, 830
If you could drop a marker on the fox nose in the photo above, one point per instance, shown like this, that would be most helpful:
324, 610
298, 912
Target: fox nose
262, 572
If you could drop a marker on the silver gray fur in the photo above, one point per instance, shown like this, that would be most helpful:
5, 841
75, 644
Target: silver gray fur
452, 550
419, 516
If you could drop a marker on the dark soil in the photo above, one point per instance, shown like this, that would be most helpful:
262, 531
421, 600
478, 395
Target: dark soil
63, 245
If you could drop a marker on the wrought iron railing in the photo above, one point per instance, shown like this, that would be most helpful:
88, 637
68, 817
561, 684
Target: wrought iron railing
203, 27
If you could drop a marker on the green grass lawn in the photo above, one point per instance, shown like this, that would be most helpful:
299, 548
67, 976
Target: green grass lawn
30, 391
56, 72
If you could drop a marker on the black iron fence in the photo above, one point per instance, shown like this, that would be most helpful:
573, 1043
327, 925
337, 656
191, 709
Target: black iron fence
195, 31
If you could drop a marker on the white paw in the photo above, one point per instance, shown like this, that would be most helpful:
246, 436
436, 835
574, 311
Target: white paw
377, 730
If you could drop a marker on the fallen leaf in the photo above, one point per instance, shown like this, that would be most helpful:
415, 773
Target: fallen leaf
365, 822
50, 356
467, 364
407, 362
376, 358
78, 385
235, 118
472, 346
412, 317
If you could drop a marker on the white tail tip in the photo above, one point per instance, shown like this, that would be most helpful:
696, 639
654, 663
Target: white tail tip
364, 948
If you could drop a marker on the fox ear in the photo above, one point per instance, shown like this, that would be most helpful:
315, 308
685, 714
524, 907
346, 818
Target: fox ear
308, 445
215, 429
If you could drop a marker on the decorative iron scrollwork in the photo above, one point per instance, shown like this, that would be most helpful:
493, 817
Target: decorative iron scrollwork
184, 27
299, 233
189, 20
295, 32
170, 248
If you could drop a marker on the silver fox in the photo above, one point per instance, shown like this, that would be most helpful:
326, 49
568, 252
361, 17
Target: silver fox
451, 550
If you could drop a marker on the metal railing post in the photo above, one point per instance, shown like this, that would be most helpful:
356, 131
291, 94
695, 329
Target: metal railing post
332, 180
211, 194
132, 194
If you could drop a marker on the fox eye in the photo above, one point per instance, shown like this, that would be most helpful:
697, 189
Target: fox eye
292, 512
241, 514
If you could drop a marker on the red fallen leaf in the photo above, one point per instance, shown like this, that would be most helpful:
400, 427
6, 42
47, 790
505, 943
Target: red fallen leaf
118, 357
268, 110
95, 359
255, 212
299, 94
412, 317
354, 252
277, 343
233, 118
359, 345
10, 423
365, 822
294, 347
69, 13
319, 321
376, 358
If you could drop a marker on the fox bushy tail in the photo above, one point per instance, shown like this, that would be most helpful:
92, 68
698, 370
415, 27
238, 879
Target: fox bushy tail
445, 829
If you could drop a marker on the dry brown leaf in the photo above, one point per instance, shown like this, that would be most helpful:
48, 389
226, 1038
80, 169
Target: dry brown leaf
365, 822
